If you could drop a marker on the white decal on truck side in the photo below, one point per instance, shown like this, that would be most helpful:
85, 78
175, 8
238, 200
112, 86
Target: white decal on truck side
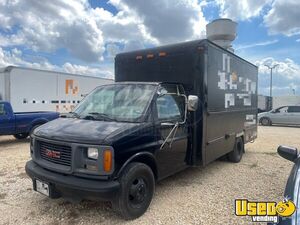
229, 100
250, 120
229, 81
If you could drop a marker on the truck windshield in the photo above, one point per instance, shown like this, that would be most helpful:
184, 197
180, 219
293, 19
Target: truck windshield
119, 102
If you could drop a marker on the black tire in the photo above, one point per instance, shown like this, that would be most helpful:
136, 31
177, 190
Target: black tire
265, 121
136, 192
236, 155
21, 136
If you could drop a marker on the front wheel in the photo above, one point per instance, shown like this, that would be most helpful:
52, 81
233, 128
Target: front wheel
21, 136
137, 188
265, 121
236, 155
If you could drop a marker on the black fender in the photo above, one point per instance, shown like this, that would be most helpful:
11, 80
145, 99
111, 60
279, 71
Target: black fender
143, 157
37, 122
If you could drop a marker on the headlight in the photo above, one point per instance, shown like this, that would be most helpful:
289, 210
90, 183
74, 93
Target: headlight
93, 153
98, 159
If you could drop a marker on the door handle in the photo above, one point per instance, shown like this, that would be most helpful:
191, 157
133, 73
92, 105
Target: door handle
171, 134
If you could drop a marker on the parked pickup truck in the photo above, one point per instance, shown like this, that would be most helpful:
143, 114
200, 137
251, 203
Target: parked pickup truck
20, 125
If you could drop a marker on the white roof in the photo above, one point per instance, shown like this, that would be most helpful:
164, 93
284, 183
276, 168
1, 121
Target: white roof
10, 68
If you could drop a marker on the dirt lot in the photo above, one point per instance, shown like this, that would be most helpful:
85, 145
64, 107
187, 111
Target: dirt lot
195, 196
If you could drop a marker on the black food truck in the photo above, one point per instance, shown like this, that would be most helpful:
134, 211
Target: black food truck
171, 107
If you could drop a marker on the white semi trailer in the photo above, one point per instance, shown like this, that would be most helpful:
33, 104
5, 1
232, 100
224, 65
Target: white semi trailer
264, 103
31, 90
287, 100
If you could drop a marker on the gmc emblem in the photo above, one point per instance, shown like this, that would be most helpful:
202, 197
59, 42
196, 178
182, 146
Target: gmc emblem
52, 154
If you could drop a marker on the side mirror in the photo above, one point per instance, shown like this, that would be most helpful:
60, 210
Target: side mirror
193, 103
288, 153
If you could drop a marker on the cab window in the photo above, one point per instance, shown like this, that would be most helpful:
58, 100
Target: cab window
282, 110
170, 107
294, 109
2, 111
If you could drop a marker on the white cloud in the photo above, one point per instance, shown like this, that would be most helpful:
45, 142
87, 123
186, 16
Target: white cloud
133, 45
166, 21
264, 43
287, 69
286, 76
298, 40
51, 25
280, 16
112, 50
84, 32
86, 70
16, 57
284, 17
122, 27
241, 9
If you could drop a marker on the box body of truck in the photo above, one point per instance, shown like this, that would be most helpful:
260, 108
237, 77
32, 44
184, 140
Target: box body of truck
225, 84
31, 90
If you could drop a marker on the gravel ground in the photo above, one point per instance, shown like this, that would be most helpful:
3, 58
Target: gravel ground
194, 196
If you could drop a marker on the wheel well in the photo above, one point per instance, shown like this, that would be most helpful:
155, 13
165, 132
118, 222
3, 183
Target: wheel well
38, 123
149, 161
243, 139
241, 135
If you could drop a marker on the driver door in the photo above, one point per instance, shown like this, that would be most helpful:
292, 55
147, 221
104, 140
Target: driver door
7, 125
172, 134
280, 115
294, 115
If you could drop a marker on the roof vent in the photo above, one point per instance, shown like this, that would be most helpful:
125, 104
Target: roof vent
222, 32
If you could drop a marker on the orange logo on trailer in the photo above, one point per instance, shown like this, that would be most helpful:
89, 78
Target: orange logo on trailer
71, 87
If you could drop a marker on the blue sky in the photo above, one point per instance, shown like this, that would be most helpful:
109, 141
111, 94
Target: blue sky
83, 36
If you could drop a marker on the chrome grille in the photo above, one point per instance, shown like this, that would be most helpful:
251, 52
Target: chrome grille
47, 149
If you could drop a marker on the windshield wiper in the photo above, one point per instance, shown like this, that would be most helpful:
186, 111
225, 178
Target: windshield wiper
101, 115
70, 115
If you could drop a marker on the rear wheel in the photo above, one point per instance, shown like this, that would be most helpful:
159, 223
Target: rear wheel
265, 121
21, 136
236, 155
137, 188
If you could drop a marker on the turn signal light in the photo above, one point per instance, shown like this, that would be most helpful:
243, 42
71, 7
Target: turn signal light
162, 54
150, 56
107, 160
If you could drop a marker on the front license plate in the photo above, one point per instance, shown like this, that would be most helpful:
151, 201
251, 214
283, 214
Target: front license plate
42, 187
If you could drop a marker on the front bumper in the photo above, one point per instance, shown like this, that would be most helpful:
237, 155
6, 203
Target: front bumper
72, 187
